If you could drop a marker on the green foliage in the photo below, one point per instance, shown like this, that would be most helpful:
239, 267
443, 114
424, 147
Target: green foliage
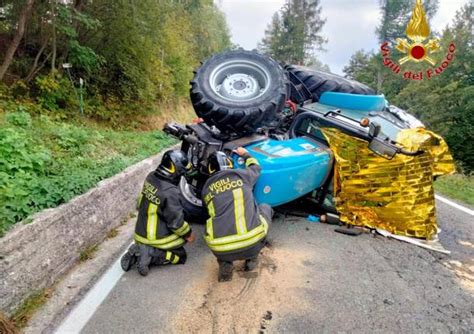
152, 48
84, 57
460, 187
293, 35
20, 161
127, 52
54, 92
4, 92
209, 28
80, 56
358, 68
68, 160
20, 118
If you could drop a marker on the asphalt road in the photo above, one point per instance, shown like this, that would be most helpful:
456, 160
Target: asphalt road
310, 280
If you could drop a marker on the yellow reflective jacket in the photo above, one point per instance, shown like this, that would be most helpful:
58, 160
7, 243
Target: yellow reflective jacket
160, 221
235, 223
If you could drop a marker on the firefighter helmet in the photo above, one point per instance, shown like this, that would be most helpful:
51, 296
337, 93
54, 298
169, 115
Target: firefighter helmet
218, 161
174, 164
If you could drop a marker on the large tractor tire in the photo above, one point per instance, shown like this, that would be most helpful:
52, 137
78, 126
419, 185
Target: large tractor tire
239, 91
311, 84
194, 211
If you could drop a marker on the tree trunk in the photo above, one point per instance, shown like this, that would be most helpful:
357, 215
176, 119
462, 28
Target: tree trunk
25, 12
39, 68
37, 58
379, 81
78, 4
53, 20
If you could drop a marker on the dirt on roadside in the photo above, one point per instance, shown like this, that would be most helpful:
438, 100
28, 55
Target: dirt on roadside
464, 273
250, 301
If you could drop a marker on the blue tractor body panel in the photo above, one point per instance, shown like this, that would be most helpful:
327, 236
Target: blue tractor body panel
290, 168
354, 101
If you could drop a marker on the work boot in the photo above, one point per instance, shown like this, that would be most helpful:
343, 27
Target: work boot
144, 260
129, 258
251, 264
225, 271
158, 257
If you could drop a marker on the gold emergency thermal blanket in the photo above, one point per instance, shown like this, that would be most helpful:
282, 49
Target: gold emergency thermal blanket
395, 195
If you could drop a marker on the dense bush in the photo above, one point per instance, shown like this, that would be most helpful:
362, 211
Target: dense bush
54, 92
44, 163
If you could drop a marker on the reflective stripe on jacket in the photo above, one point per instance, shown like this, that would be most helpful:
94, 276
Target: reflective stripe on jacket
160, 221
234, 222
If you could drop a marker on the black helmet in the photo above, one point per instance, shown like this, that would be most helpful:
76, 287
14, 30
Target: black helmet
218, 161
174, 164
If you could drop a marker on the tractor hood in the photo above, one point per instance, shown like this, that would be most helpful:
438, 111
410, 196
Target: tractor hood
290, 168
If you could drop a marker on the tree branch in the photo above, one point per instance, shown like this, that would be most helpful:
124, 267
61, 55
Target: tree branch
35, 63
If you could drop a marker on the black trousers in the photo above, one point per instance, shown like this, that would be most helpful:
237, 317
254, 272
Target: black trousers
173, 256
251, 252
267, 212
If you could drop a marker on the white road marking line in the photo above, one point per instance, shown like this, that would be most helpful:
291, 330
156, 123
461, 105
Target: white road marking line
455, 205
81, 314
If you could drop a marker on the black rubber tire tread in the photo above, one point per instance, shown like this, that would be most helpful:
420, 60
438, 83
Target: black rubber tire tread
241, 117
318, 82
193, 213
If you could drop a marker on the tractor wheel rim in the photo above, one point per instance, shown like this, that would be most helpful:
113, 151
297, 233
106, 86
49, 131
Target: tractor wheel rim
239, 80
188, 194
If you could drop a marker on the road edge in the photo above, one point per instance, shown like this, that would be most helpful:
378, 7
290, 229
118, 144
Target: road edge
455, 204
78, 282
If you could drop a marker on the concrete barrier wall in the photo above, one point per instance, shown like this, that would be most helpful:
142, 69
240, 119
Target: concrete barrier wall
35, 255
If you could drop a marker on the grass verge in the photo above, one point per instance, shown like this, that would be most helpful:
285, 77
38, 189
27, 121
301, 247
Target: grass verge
45, 162
458, 187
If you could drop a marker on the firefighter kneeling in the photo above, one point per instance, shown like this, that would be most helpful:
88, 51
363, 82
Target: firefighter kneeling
237, 226
160, 231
